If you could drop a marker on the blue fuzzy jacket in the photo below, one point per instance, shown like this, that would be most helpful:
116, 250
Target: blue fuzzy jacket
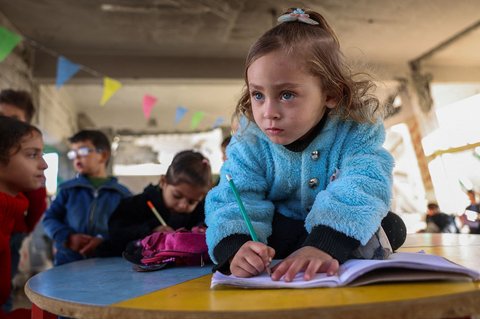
342, 181
80, 208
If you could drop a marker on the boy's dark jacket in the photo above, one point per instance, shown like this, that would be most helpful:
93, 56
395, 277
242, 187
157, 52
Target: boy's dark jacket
80, 208
133, 220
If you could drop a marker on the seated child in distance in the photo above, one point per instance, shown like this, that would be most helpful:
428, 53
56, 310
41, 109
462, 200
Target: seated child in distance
178, 198
77, 220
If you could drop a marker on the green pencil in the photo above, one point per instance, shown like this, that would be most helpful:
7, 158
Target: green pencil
242, 208
246, 218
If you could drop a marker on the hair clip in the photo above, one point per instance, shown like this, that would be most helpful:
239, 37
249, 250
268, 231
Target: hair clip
205, 161
296, 15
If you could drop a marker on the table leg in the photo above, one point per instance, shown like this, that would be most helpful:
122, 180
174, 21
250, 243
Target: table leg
38, 313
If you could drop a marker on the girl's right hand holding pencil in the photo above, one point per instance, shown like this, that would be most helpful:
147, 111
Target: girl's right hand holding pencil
251, 259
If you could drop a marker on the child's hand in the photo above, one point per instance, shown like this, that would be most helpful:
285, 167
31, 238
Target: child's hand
77, 241
90, 246
163, 229
308, 259
251, 259
199, 229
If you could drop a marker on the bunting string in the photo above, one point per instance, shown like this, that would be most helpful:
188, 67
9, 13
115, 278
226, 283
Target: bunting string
55, 54
67, 69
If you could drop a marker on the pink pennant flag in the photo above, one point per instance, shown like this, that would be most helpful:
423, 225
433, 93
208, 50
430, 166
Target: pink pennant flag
148, 103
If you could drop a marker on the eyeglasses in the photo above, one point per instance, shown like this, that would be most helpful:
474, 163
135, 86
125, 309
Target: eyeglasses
82, 152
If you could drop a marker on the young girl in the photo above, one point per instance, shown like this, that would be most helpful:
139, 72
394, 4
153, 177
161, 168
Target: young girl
21, 169
178, 198
307, 160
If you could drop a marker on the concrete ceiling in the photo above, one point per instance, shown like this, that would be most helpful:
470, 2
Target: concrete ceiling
191, 53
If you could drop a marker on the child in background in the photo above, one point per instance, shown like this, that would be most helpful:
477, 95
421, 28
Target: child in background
178, 197
473, 224
19, 105
77, 219
223, 146
21, 170
438, 222
307, 160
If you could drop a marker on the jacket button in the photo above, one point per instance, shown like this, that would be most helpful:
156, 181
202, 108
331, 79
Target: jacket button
313, 182
315, 155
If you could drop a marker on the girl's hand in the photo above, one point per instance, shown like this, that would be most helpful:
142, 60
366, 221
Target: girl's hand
163, 229
308, 259
251, 259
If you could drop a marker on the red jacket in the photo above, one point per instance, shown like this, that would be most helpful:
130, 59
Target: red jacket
10, 208
16, 314
37, 200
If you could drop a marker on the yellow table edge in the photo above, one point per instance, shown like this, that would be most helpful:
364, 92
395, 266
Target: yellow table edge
378, 300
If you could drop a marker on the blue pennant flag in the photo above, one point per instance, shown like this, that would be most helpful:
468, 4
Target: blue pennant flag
65, 70
181, 111
219, 121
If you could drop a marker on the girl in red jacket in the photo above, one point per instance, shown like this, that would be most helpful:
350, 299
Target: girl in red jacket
21, 169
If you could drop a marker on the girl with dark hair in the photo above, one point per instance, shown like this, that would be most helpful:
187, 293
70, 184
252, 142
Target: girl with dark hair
21, 169
178, 198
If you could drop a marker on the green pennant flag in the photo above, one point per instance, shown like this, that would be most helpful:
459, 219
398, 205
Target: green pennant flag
8, 41
196, 119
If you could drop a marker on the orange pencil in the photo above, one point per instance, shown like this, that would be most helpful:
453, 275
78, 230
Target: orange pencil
156, 213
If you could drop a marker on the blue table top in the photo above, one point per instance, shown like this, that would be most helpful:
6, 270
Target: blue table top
73, 282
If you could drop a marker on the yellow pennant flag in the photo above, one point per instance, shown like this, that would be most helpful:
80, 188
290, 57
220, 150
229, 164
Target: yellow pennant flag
110, 86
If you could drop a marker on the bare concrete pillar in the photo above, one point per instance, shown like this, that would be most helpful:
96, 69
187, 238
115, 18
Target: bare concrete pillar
422, 122
416, 136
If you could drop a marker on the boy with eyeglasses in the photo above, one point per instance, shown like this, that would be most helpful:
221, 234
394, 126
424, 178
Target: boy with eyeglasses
77, 219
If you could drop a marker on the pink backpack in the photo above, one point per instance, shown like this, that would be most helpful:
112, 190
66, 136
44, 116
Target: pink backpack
181, 247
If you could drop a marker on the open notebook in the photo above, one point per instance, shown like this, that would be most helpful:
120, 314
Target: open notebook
356, 272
